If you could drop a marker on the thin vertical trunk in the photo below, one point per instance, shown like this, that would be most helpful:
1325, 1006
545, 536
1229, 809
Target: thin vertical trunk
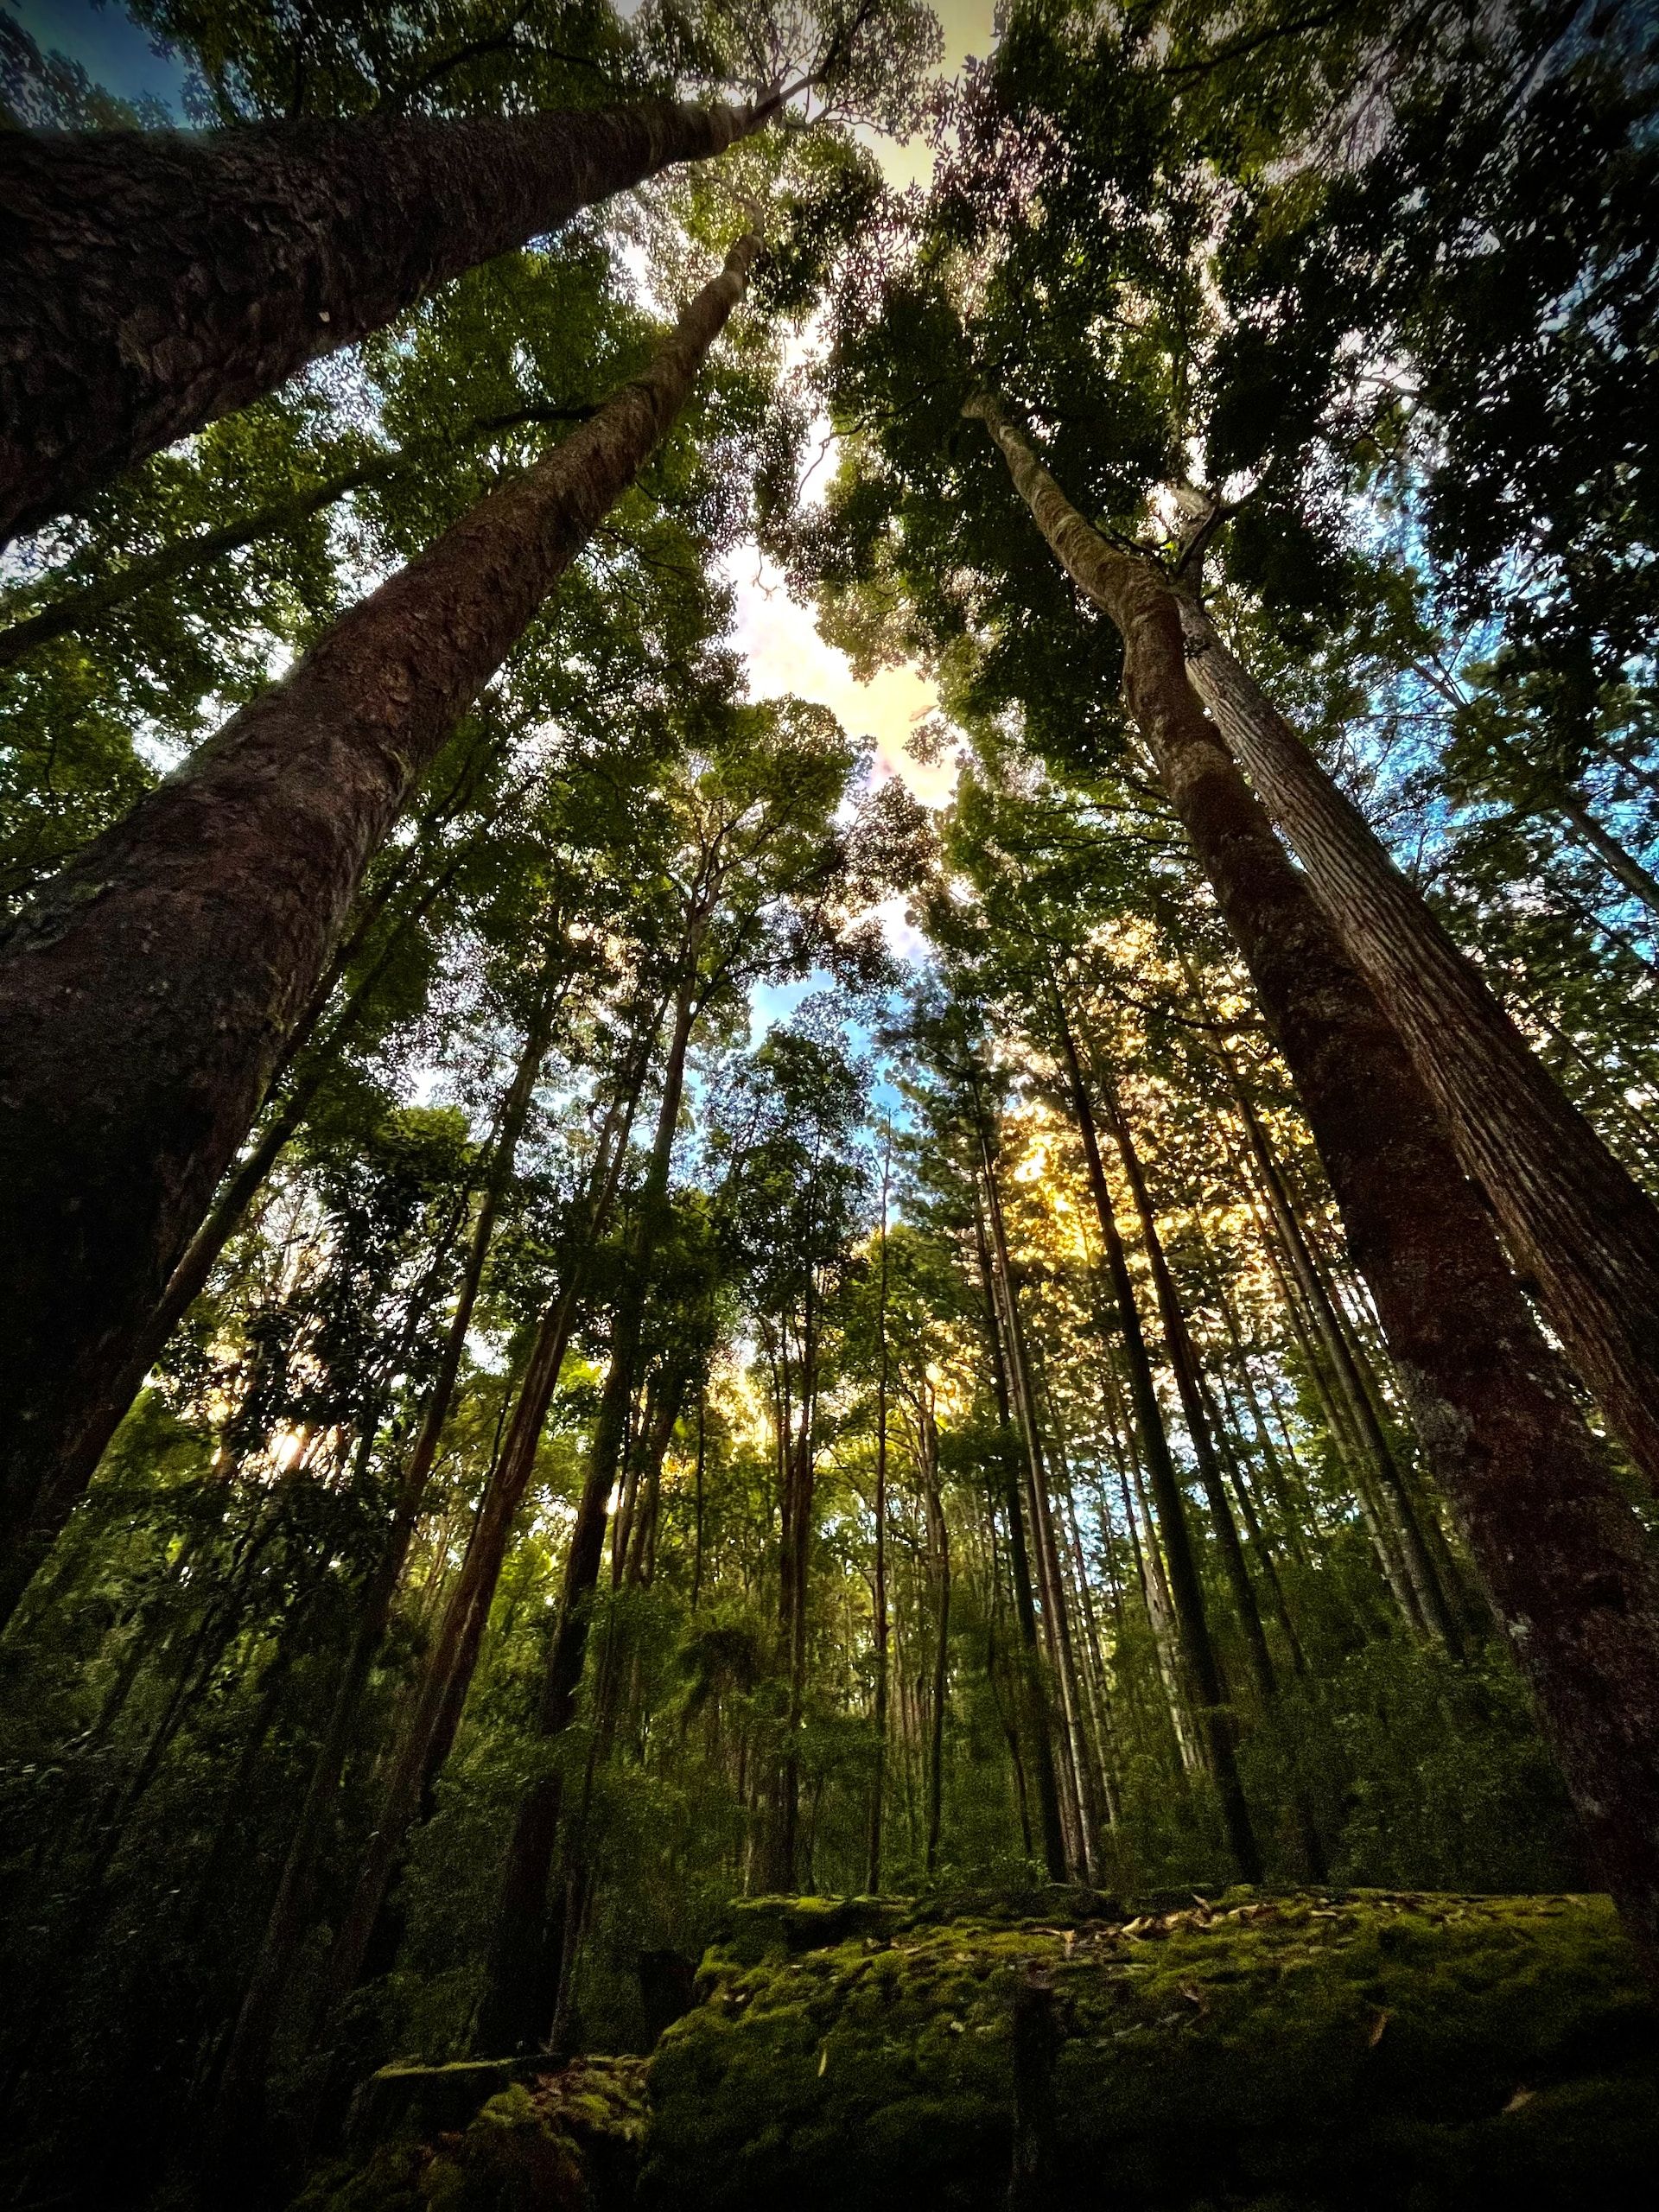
697, 1471
879, 1593
1073, 1771
521, 1974
1189, 1382
156, 280
145, 995
1574, 1220
938, 1575
448, 1673
1186, 1590
1035, 1700
1149, 1576
1565, 1560
236, 2122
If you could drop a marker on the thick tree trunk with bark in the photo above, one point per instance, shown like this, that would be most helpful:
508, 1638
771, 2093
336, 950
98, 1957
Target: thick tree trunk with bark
1575, 1222
1566, 1564
145, 996
78, 1460
153, 281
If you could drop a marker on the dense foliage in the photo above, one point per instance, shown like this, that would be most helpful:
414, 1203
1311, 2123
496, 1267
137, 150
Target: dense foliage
669, 1020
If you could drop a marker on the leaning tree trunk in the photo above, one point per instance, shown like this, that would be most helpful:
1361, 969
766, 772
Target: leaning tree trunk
153, 281
1576, 1222
1565, 1562
77, 1463
144, 997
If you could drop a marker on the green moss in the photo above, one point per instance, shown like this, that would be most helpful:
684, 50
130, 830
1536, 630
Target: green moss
565, 2141
1351, 2051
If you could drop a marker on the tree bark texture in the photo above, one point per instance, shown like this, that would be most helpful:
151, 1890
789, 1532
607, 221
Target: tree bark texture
1576, 1222
78, 1457
1566, 1563
145, 996
153, 281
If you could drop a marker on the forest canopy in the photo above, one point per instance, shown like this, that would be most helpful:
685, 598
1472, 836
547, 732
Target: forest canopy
636, 1275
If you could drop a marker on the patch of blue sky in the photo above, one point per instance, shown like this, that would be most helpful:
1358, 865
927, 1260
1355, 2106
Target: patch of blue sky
114, 51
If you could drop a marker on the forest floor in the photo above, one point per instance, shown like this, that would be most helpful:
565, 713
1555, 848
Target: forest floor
1286, 2053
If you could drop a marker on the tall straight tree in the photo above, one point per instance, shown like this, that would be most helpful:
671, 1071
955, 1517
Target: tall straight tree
1575, 1220
1566, 1563
146, 994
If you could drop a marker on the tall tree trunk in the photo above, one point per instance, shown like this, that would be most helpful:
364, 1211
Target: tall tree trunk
521, 1979
1189, 1383
1034, 1699
1149, 1575
78, 1462
1423, 1598
155, 280
879, 1590
145, 996
1186, 1590
447, 1675
1574, 1220
1565, 1562
1082, 1854
235, 2130
938, 1575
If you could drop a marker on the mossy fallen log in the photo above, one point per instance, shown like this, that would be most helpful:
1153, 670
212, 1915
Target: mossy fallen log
1350, 2051
1326, 2052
